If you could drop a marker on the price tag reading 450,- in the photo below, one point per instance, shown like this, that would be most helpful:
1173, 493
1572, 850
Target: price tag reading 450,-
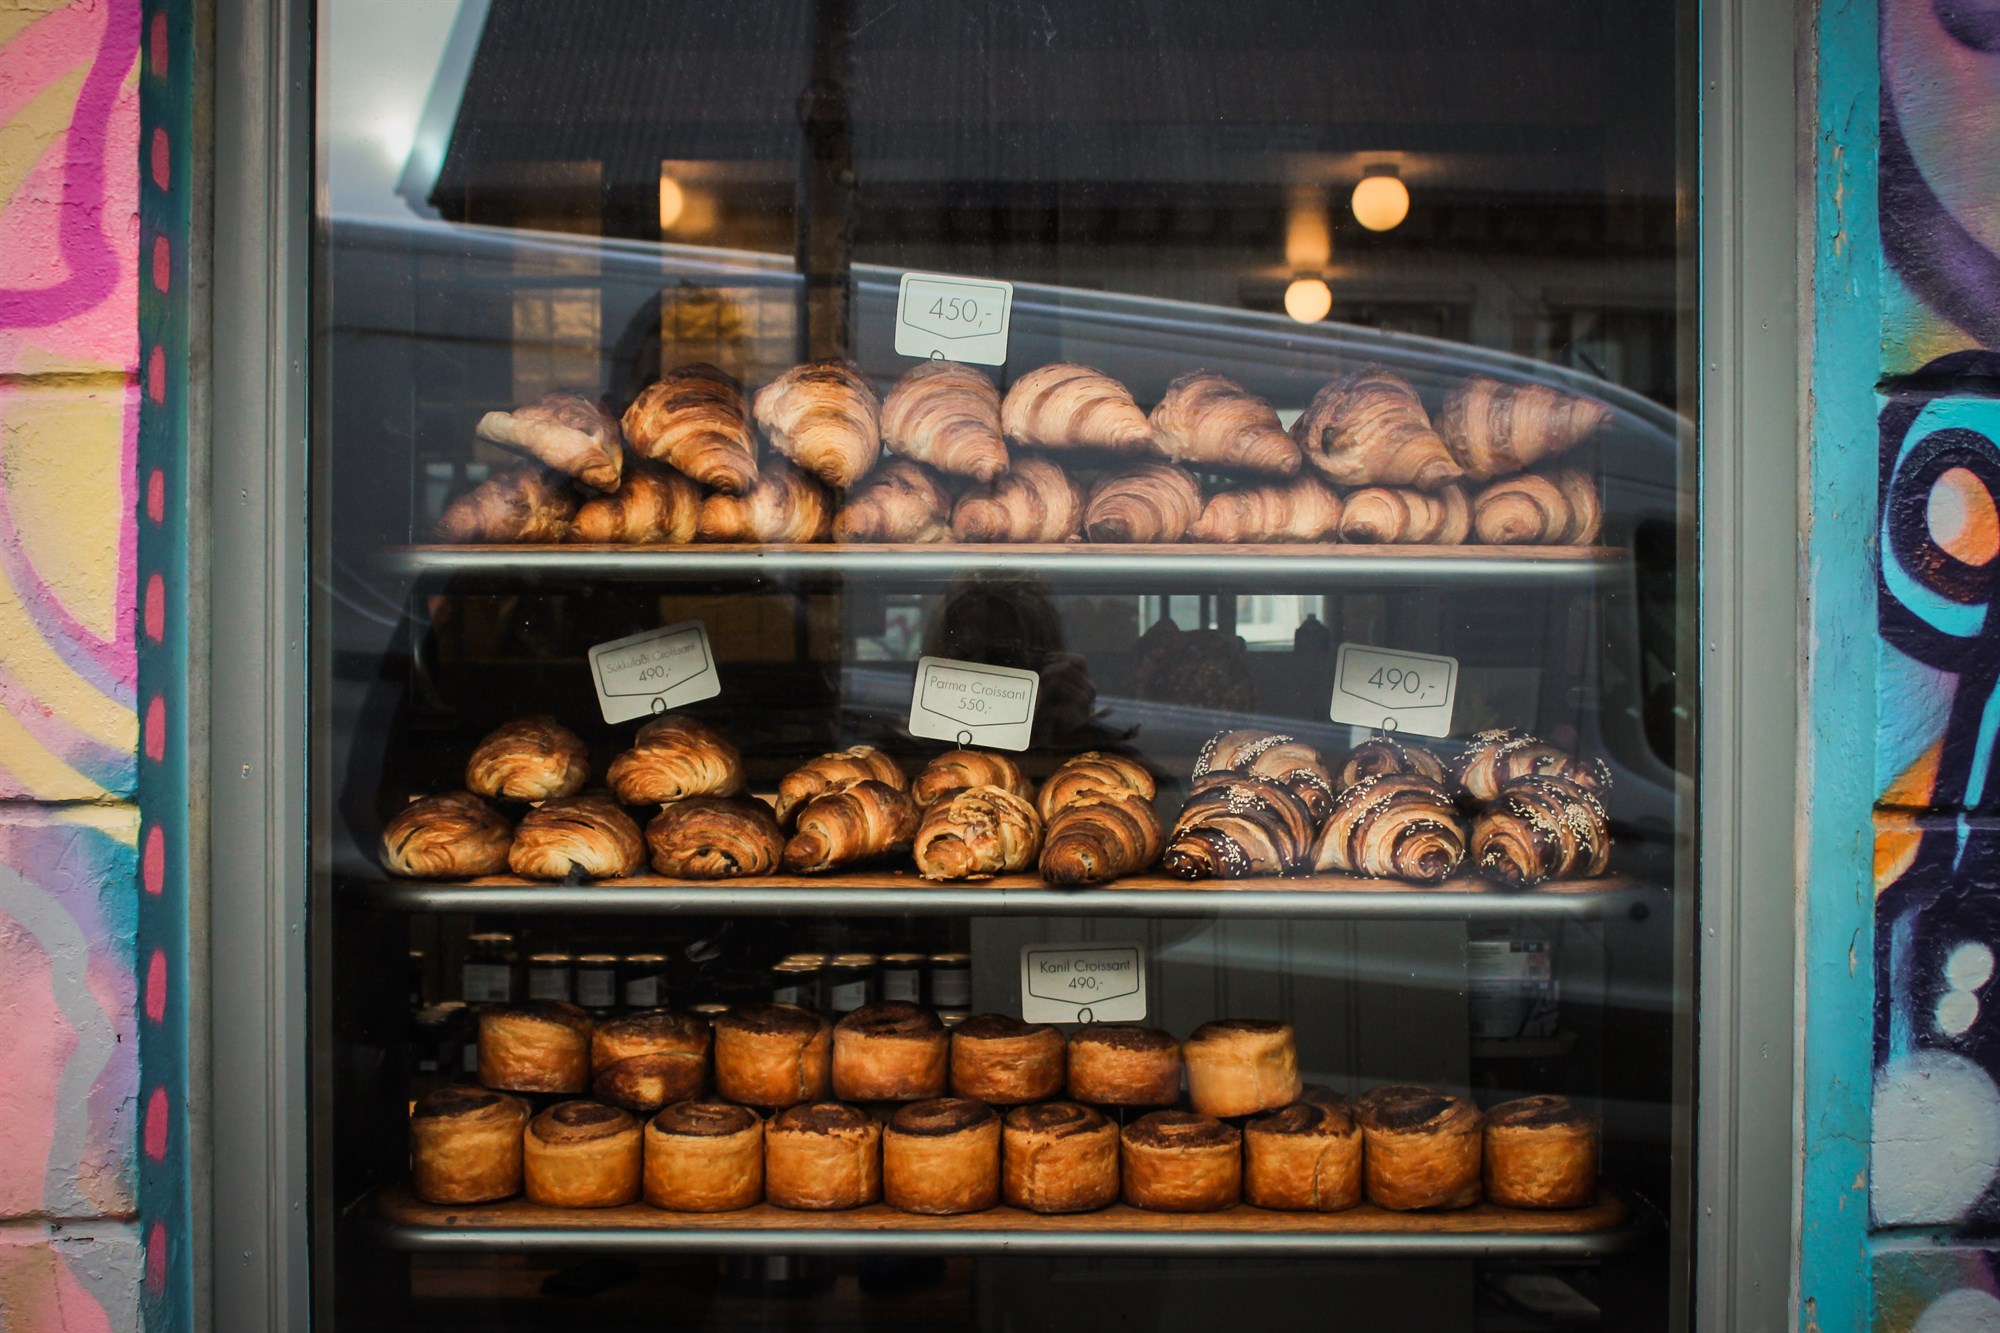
1083, 983
1393, 690
953, 319
654, 672
971, 703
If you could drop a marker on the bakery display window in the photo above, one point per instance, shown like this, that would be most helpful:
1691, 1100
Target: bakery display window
981, 664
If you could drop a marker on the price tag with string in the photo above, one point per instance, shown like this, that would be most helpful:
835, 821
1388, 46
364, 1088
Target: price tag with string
970, 703
1083, 983
1394, 691
953, 319
654, 672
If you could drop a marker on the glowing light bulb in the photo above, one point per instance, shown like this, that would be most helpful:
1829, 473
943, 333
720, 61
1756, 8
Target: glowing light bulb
673, 201
1308, 300
1380, 203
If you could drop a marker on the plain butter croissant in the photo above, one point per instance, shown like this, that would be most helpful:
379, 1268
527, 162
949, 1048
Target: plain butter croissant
1401, 516
1035, 501
695, 420
1146, 502
1065, 406
1304, 509
785, 505
1370, 429
653, 505
1212, 421
900, 501
976, 833
858, 823
567, 431
1493, 428
830, 772
523, 504
824, 417
948, 416
1100, 834
1093, 772
1532, 509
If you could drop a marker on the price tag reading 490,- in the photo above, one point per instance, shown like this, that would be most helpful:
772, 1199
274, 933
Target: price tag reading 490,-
1083, 983
1394, 690
970, 703
654, 672
953, 319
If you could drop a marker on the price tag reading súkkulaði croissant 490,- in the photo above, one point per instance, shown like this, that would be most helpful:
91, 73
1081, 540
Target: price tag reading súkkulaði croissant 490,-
953, 319
970, 703
654, 672
1391, 690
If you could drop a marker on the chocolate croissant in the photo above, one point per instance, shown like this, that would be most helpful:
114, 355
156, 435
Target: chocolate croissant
1211, 421
694, 419
675, 757
653, 505
1101, 834
715, 837
1539, 828
1304, 509
785, 505
1387, 757
1035, 501
977, 833
823, 416
948, 416
1065, 406
1400, 516
831, 772
1093, 773
1146, 502
577, 837
1493, 428
1533, 509
859, 823
523, 504
1370, 429
900, 501
566, 431
1400, 827
1494, 758
454, 835
1274, 755
956, 770
528, 759
1236, 825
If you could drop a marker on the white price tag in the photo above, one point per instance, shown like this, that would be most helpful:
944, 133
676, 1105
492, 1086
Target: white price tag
1394, 690
654, 672
1083, 983
953, 319
970, 703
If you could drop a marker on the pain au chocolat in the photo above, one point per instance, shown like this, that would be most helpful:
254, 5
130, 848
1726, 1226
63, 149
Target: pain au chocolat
1240, 1066
582, 1155
540, 1046
942, 1157
821, 1156
1540, 1152
1058, 1157
1305, 1158
772, 1055
645, 1061
997, 1058
465, 1145
1420, 1148
1124, 1066
1181, 1162
704, 1157
528, 759
890, 1051
448, 836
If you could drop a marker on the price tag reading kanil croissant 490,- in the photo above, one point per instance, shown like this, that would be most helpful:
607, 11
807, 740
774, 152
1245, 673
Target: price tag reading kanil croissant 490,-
953, 319
970, 703
654, 672
1394, 690
1083, 983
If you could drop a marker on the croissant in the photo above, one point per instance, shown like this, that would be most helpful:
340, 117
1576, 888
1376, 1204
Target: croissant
1403, 517
831, 772
856, 823
824, 417
1369, 429
1274, 755
785, 505
455, 835
1093, 774
956, 770
977, 833
900, 501
577, 837
652, 505
1146, 502
1065, 406
1210, 420
1533, 509
1100, 834
1586, 507
523, 504
948, 416
1400, 827
1492, 759
1034, 502
566, 431
673, 758
1493, 428
1538, 828
695, 420
1236, 825
1387, 757
715, 837
1304, 509
528, 759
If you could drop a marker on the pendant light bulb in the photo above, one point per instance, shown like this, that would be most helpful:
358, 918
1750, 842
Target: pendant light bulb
1308, 300
1381, 201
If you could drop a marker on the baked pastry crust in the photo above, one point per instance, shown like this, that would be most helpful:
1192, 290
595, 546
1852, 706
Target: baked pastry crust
890, 1051
1058, 1157
453, 835
997, 1058
1540, 1152
540, 1046
1124, 1066
465, 1145
646, 1061
567, 837
823, 1156
715, 837
773, 1055
673, 758
1305, 1158
1240, 1066
1181, 1162
1421, 1148
528, 759
941, 1157
704, 1157
582, 1155
960, 770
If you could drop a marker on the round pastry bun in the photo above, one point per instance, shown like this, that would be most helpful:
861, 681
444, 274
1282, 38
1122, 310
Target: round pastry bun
890, 1051
582, 1155
1181, 1162
1304, 1158
941, 1157
1540, 1152
465, 1145
822, 1156
540, 1046
1114, 1065
1059, 1157
704, 1157
999, 1059
772, 1055
1420, 1149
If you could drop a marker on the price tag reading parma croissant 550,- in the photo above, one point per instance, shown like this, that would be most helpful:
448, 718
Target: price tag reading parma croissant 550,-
953, 319
654, 672
970, 703
1394, 690
1083, 983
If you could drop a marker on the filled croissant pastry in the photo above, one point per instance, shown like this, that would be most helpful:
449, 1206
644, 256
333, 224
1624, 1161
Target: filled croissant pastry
900, 501
1100, 834
1533, 509
577, 837
824, 417
454, 835
523, 504
1304, 509
694, 419
1539, 828
1211, 421
1236, 825
1091, 773
1387, 757
785, 505
857, 823
1274, 755
1492, 759
528, 759
1034, 501
955, 770
566, 431
1400, 827
653, 505
1492, 428
1065, 406
977, 833
830, 772
1370, 429
675, 757
1146, 502
948, 416
1400, 516
715, 837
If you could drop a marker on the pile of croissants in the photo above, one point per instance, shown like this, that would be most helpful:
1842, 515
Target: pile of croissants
1364, 463
1260, 803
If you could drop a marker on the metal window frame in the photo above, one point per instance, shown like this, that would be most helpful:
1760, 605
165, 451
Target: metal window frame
1742, 1267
